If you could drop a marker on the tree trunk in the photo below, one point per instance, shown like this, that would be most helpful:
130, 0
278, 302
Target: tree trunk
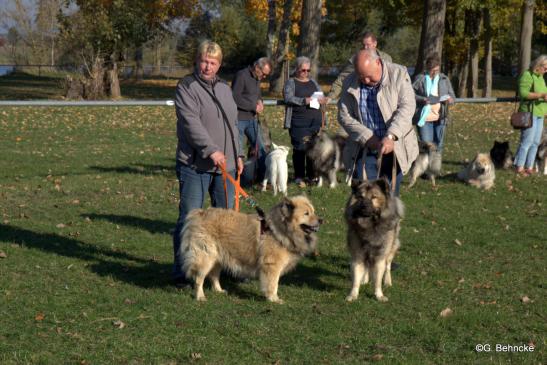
431, 38
487, 87
526, 29
474, 28
138, 72
113, 81
277, 80
462, 77
310, 28
94, 87
271, 28
157, 58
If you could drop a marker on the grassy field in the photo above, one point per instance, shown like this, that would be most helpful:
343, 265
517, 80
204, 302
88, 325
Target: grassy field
88, 198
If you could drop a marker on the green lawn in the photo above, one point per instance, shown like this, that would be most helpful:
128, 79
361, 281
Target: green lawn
88, 198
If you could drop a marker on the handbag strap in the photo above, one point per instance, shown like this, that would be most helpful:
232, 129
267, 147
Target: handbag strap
529, 102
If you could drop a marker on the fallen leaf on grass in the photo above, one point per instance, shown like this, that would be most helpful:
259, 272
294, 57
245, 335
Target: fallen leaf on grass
129, 301
457, 241
525, 300
195, 355
482, 302
3, 255
60, 225
39, 316
446, 312
377, 357
119, 324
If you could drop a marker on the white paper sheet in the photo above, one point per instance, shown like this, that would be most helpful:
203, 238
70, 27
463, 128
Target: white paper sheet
314, 102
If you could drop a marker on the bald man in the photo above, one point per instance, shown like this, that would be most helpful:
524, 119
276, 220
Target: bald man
376, 106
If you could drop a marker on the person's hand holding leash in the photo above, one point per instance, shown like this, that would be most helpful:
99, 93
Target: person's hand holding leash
218, 158
259, 106
239, 165
373, 143
386, 145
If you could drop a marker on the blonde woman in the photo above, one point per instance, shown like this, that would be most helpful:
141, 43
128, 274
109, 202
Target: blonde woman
207, 139
533, 96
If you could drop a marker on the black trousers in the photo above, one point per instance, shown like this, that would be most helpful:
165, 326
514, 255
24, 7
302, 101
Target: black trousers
303, 165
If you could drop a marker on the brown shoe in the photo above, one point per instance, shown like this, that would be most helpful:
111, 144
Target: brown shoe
301, 183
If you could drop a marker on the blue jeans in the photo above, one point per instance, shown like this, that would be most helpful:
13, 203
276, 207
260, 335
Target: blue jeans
433, 132
248, 128
386, 170
193, 187
251, 129
529, 142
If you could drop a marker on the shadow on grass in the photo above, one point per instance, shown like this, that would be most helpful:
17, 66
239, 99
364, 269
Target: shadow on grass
23, 86
152, 226
135, 270
143, 169
143, 90
309, 276
455, 163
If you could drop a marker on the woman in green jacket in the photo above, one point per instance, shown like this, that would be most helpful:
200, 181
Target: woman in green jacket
533, 96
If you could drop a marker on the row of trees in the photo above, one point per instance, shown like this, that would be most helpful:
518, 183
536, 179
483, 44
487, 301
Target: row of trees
99, 35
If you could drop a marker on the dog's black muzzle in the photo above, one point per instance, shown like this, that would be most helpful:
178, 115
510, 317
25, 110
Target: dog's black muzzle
365, 209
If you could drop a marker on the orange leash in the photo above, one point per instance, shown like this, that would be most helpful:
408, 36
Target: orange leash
238, 189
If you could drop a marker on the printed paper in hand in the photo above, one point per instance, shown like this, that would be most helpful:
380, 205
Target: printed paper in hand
314, 102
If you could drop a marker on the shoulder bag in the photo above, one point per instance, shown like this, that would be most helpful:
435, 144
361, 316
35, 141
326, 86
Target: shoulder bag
522, 120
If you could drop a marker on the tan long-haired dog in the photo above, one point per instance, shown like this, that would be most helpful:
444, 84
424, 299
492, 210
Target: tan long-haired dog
480, 173
373, 217
214, 239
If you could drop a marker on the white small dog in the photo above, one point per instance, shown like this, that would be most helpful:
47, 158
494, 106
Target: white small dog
277, 171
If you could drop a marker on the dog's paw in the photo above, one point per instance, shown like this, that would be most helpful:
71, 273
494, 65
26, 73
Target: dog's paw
276, 300
201, 298
381, 298
352, 297
221, 291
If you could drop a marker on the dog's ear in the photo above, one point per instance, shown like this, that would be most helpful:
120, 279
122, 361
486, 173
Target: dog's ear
355, 183
383, 184
287, 208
